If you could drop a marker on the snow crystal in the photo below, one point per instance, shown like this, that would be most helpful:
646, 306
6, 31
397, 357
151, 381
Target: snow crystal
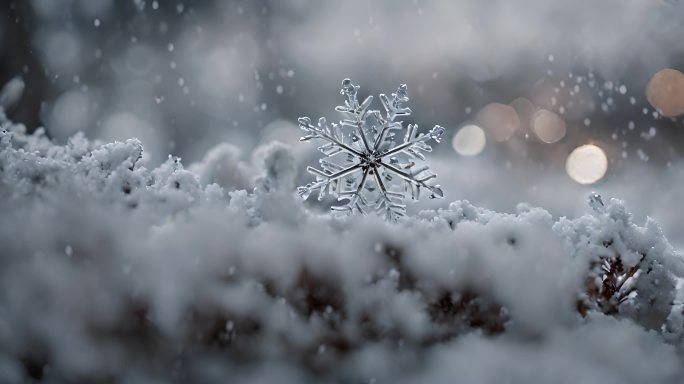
375, 170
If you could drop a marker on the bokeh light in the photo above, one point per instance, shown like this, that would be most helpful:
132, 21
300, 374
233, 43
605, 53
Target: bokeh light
548, 126
500, 121
525, 109
665, 92
469, 140
587, 164
70, 114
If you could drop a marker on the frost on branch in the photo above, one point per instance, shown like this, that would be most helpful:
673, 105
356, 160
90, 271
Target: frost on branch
632, 271
368, 162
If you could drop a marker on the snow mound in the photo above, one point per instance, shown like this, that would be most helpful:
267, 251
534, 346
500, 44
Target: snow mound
112, 272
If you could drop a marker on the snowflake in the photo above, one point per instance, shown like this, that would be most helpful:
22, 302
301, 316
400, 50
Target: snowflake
367, 164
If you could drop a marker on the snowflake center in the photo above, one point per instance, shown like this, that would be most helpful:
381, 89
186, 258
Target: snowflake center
372, 160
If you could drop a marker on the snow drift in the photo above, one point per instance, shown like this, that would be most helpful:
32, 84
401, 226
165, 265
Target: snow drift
113, 272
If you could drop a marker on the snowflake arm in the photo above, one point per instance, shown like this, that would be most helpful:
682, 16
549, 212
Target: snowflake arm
332, 135
355, 200
326, 180
388, 201
418, 179
414, 143
395, 107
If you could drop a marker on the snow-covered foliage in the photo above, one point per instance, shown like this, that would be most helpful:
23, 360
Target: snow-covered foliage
112, 272
377, 170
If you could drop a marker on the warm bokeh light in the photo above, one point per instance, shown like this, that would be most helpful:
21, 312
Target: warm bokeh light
548, 126
587, 164
665, 92
500, 121
525, 109
469, 140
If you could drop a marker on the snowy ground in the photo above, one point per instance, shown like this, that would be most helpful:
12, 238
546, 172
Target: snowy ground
113, 272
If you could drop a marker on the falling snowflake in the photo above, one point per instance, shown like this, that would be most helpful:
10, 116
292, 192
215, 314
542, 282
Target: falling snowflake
368, 165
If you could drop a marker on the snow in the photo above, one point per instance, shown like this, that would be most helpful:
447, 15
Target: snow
116, 271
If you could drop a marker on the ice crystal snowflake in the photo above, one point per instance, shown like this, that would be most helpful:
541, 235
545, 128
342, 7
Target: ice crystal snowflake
376, 169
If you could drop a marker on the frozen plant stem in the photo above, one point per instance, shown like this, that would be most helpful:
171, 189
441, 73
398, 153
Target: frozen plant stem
367, 165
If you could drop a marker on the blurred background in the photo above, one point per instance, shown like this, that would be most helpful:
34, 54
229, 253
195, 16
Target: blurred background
543, 101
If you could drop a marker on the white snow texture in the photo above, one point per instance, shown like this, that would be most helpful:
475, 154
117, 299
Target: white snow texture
115, 273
